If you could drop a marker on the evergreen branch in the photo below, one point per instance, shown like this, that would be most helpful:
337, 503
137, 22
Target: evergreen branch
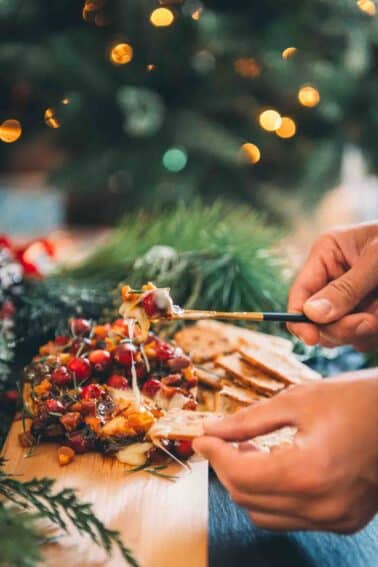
19, 539
37, 495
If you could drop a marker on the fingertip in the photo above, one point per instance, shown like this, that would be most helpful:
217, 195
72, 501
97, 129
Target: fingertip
305, 332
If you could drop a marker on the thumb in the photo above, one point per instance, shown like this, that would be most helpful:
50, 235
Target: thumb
264, 417
343, 294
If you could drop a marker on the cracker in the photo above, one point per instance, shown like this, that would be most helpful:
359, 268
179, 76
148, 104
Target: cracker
245, 396
247, 337
249, 375
202, 345
211, 378
283, 366
206, 399
180, 425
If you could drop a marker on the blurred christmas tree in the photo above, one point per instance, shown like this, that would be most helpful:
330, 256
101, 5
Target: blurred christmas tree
154, 102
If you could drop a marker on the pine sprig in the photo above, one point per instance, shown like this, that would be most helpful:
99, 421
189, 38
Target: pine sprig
38, 496
19, 538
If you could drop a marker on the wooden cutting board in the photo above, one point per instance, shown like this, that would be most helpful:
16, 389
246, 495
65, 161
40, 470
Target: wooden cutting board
163, 523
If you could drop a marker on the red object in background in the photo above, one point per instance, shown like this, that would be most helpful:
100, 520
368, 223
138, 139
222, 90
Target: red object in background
36, 256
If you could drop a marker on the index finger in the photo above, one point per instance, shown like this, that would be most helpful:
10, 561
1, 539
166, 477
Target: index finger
267, 473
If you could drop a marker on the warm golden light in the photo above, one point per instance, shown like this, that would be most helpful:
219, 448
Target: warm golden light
10, 131
247, 67
308, 96
50, 118
367, 6
289, 52
287, 128
162, 17
197, 14
121, 54
65, 101
270, 120
150, 67
90, 8
250, 153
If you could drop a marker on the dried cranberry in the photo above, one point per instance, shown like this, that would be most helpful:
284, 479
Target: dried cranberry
80, 326
79, 442
54, 406
124, 353
118, 381
178, 362
150, 306
61, 376
92, 391
100, 359
151, 387
62, 340
80, 345
183, 449
163, 351
140, 369
172, 380
80, 367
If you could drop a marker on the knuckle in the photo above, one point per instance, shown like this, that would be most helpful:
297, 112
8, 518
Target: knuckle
346, 288
317, 480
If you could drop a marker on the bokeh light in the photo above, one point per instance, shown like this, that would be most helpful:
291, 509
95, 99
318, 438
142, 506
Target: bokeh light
289, 52
162, 17
308, 96
175, 159
270, 120
367, 6
51, 119
150, 67
247, 67
250, 153
90, 9
287, 128
121, 54
10, 131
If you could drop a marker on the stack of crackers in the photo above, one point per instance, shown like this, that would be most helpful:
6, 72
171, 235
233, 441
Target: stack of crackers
237, 367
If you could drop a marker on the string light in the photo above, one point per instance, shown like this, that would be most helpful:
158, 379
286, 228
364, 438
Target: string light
197, 14
175, 159
150, 67
287, 128
367, 6
65, 101
121, 54
308, 96
289, 52
247, 67
162, 17
90, 8
270, 120
50, 118
250, 153
10, 131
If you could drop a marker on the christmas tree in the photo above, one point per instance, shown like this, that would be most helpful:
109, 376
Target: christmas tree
154, 102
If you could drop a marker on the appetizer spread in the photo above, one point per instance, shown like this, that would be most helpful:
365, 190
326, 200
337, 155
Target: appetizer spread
119, 389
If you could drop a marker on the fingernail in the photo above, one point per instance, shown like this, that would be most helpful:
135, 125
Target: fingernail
323, 307
364, 328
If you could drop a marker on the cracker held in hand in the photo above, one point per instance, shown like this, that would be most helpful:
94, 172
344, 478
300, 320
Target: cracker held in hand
285, 367
249, 375
178, 425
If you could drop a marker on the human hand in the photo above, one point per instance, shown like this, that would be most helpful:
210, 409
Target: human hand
337, 288
328, 479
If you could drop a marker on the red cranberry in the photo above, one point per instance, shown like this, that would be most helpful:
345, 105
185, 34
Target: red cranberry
79, 326
117, 381
151, 387
124, 353
150, 306
79, 443
91, 391
80, 345
81, 368
62, 340
140, 369
61, 376
163, 351
54, 406
183, 449
100, 359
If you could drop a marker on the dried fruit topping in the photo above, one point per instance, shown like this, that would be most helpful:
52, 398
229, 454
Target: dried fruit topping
124, 354
100, 359
65, 455
54, 406
178, 362
80, 367
118, 381
163, 351
150, 306
183, 449
172, 380
80, 441
70, 420
62, 340
151, 387
91, 391
80, 326
61, 376
80, 345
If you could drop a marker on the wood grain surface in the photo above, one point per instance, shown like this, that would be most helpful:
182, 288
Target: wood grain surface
165, 524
